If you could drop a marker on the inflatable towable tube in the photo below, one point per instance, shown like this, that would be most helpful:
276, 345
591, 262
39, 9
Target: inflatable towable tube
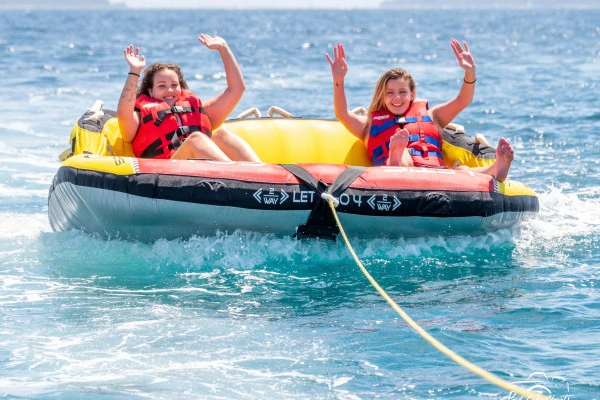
114, 194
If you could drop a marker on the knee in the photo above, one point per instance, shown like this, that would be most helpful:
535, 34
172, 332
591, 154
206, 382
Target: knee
221, 134
197, 138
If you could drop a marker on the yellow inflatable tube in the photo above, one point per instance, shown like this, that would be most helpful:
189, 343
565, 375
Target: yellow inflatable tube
298, 140
285, 140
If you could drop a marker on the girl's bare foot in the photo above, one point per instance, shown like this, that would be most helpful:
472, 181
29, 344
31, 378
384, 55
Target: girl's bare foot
504, 157
398, 143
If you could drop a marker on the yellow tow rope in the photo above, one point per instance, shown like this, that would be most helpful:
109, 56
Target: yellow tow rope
488, 376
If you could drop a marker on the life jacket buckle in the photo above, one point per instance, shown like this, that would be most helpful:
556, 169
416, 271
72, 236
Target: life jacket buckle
179, 136
183, 131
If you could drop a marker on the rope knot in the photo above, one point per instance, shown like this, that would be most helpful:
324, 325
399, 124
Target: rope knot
329, 198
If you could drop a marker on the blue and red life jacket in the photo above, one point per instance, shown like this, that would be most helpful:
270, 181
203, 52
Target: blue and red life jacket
424, 140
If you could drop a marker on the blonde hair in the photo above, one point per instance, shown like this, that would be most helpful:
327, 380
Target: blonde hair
378, 102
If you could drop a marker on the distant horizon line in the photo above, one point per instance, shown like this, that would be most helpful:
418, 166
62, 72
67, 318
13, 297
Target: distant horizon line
159, 7
384, 5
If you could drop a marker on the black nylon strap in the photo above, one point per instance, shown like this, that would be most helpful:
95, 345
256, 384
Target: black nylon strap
320, 222
173, 110
183, 132
344, 180
303, 175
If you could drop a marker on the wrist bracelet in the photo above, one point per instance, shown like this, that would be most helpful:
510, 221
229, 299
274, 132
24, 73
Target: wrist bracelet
133, 73
464, 80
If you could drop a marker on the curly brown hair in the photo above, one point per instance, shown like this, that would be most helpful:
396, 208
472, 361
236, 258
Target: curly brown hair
148, 78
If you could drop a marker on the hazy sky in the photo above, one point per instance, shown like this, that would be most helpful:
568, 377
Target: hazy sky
256, 3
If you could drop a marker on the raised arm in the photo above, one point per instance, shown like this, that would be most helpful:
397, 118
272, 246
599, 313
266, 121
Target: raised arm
444, 113
129, 120
353, 122
219, 107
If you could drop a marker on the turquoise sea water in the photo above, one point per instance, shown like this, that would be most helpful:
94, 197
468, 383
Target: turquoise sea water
254, 317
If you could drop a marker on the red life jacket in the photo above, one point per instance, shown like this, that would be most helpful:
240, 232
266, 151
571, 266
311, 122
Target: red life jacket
160, 132
424, 140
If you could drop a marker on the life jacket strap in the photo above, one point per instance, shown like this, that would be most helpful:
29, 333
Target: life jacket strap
378, 157
160, 115
412, 120
181, 133
428, 139
424, 153
377, 129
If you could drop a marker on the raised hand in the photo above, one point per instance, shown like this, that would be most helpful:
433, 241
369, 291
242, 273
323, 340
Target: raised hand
136, 61
464, 57
338, 64
212, 42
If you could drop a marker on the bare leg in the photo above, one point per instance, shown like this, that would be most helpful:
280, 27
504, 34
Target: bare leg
234, 146
504, 157
399, 155
198, 145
